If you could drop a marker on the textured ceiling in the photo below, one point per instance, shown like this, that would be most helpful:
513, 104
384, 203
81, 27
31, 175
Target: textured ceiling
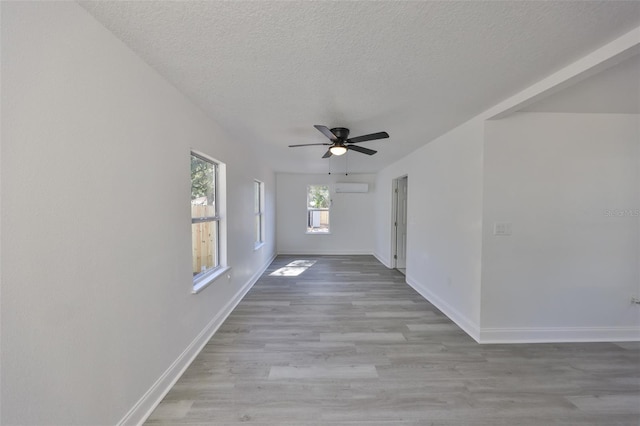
615, 90
268, 71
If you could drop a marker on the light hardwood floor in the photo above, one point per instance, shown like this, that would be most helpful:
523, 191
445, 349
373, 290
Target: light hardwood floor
347, 342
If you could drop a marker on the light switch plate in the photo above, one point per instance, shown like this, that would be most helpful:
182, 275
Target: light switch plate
502, 228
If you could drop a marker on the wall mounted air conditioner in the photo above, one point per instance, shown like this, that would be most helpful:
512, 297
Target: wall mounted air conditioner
352, 187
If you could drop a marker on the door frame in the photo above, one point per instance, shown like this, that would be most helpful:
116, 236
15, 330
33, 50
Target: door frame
394, 213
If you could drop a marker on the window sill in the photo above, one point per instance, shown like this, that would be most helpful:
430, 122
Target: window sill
257, 246
318, 233
208, 279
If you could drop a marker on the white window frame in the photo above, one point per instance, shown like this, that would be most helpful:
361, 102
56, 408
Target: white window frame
310, 211
258, 210
202, 280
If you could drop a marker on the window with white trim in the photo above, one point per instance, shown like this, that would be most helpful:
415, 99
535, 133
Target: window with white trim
318, 205
205, 216
258, 211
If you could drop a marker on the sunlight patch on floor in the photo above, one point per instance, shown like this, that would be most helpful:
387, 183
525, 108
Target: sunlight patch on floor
293, 269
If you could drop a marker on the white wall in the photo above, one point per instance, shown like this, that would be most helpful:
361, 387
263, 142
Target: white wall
96, 279
444, 217
351, 218
447, 227
569, 270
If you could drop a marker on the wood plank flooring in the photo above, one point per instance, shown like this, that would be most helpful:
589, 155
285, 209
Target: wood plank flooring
347, 342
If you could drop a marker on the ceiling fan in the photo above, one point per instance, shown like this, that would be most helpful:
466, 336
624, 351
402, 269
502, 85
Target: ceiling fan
340, 144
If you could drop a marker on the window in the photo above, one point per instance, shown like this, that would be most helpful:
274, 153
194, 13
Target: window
258, 210
205, 217
318, 203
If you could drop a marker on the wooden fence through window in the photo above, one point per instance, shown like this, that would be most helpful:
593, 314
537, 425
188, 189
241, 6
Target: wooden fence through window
203, 239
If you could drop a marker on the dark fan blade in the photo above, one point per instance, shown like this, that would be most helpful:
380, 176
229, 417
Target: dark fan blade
325, 131
327, 154
309, 144
371, 137
361, 149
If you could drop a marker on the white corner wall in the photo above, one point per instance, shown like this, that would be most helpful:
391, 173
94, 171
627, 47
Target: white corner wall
444, 216
351, 219
97, 315
569, 185
451, 222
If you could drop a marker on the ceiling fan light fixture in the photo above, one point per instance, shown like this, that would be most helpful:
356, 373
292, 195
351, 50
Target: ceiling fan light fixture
341, 143
338, 149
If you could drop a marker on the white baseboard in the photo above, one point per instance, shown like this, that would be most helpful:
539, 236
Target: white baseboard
325, 253
453, 314
150, 400
485, 335
559, 334
382, 260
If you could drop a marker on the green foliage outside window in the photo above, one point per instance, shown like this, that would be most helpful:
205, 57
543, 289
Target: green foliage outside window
202, 179
318, 197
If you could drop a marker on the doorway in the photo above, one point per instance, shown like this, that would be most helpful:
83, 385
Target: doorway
399, 223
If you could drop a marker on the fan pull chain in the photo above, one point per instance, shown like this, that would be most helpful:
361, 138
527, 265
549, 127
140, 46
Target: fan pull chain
346, 164
329, 165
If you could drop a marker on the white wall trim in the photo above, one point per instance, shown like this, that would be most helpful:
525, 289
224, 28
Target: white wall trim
454, 315
326, 253
560, 334
385, 262
139, 413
